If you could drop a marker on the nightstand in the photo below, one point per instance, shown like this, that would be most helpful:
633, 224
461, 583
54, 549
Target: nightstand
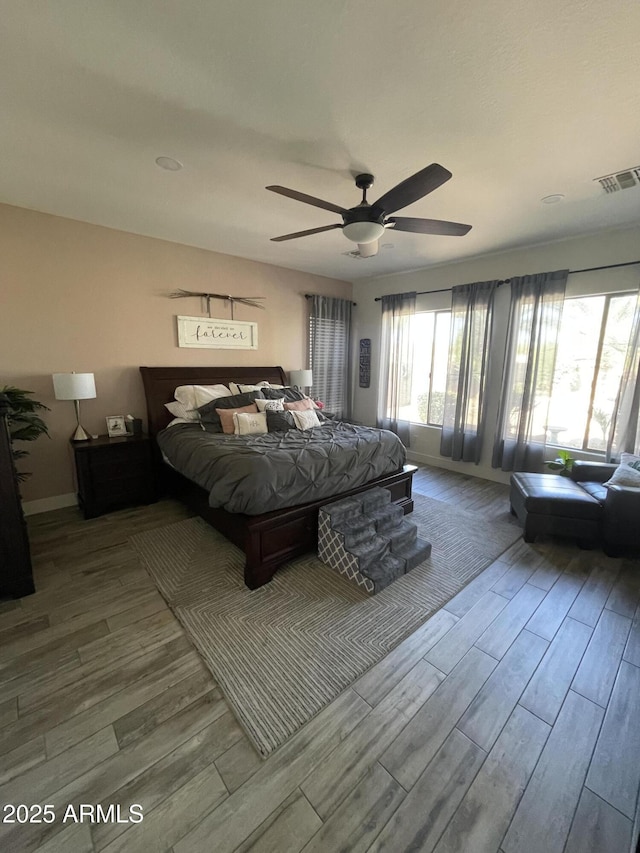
114, 473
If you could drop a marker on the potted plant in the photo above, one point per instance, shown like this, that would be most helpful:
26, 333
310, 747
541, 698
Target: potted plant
563, 464
25, 424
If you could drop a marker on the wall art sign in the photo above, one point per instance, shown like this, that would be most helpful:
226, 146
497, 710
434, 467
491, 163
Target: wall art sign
365, 362
211, 333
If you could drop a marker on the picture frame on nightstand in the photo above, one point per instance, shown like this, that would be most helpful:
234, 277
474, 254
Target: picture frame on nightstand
116, 426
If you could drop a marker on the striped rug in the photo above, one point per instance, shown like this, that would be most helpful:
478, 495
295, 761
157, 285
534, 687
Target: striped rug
284, 651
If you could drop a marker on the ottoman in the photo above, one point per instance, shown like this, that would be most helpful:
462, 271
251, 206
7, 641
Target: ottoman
549, 503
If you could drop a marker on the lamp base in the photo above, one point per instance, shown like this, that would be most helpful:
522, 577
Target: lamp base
80, 434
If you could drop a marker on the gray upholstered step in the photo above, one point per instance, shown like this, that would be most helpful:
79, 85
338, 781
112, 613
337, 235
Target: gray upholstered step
374, 499
414, 554
368, 552
341, 510
402, 536
387, 518
384, 571
355, 530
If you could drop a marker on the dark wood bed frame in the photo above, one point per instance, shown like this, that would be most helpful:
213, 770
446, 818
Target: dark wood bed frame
270, 539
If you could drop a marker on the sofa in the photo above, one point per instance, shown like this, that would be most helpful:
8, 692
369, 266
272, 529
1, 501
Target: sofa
580, 506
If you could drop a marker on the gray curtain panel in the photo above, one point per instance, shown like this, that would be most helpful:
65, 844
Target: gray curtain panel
624, 435
469, 351
330, 352
527, 378
396, 363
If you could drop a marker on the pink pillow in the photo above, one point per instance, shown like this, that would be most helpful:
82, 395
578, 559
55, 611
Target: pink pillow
299, 405
226, 417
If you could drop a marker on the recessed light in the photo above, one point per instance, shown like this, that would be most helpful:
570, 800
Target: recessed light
552, 199
169, 164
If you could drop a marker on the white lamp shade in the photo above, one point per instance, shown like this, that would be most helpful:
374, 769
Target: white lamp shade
74, 386
301, 378
363, 232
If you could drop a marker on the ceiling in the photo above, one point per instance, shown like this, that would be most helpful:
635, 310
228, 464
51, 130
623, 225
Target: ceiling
518, 99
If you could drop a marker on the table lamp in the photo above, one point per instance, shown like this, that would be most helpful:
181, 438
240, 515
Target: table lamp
301, 379
76, 387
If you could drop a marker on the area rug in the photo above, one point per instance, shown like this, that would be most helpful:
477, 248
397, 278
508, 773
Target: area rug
284, 651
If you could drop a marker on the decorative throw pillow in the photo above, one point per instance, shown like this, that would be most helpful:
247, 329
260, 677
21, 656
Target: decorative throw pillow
280, 421
299, 406
627, 473
226, 417
305, 420
246, 423
195, 396
209, 414
270, 405
178, 410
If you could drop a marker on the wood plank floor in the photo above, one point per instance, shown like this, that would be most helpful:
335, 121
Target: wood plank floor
506, 724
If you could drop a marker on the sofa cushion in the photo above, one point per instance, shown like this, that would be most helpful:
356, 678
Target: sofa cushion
596, 490
550, 494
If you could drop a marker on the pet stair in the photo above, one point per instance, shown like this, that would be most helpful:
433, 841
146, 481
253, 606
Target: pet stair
368, 540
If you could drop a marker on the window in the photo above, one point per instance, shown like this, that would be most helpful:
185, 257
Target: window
423, 396
593, 338
329, 351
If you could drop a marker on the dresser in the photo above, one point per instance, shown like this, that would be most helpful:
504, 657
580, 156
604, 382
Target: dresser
16, 576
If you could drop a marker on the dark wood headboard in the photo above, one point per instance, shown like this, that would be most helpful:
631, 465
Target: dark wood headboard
161, 382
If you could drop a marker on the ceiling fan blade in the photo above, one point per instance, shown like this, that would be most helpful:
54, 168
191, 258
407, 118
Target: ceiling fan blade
368, 250
305, 233
307, 199
413, 188
428, 226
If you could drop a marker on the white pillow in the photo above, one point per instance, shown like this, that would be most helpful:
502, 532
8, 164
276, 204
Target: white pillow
189, 421
238, 388
306, 419
270, 405
249, 423
181, 413
194, 396
627, 473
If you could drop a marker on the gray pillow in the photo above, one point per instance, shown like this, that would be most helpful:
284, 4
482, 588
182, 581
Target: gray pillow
210, 417
280, 421
290, 394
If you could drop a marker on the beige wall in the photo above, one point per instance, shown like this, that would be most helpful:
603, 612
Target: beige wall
80, 297
606, 247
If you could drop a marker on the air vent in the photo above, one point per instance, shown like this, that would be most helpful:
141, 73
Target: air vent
620, 180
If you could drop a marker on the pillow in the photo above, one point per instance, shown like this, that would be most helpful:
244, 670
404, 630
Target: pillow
280, 421
195, 396
180, 412
270, 405
247, 423
238, 388
627, 473
226, 417
209, 414
177, 421
299, 406
289, 394
305, 420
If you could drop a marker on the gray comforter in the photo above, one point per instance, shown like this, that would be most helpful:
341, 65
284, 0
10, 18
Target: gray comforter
253, 474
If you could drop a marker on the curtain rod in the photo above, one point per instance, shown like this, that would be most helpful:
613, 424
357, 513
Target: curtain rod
507, 280
311, 295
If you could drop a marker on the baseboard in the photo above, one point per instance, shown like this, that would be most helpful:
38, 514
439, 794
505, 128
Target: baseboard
495, 475
47, 504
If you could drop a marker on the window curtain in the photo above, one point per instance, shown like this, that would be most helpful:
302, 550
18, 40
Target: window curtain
330, 352
469, 349
624, 435
396, 363
530, 355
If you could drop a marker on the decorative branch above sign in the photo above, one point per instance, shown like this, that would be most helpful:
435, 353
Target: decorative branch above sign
253, 301
216, 334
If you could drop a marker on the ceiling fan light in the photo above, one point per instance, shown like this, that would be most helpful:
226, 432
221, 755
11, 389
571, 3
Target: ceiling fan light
363, 232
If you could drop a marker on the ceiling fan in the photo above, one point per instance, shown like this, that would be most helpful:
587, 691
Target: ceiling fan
366, 223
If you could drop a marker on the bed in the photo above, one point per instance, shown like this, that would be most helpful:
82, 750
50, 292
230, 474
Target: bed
268, 539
